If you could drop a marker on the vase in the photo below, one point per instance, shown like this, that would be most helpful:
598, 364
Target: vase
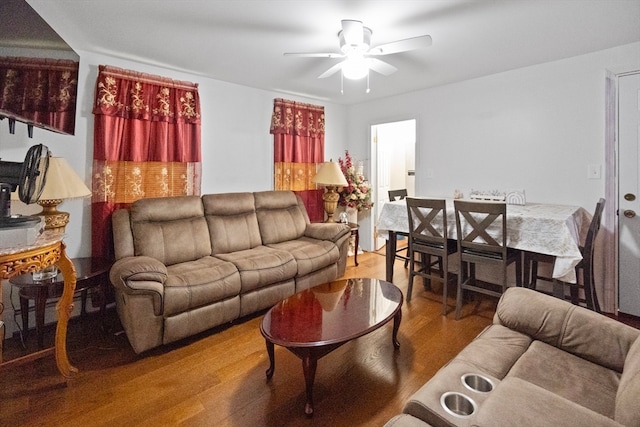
352, 215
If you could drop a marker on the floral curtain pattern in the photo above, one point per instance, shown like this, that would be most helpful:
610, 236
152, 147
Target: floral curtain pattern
40, 90
298, 136
146, 144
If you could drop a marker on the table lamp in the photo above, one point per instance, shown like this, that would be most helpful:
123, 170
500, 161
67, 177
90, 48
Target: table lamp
330, 176
62, 183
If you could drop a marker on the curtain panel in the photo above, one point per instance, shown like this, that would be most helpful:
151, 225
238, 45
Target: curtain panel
40, 90
146, 144
298, 136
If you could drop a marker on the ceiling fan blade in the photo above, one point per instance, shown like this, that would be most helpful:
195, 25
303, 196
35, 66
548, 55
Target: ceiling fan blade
352, 32
331, 71
314, 55
381, 67
404, 45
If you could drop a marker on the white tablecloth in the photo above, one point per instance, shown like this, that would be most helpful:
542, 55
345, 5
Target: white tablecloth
535, 227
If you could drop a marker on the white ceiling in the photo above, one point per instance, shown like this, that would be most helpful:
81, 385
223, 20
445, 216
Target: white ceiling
242, 41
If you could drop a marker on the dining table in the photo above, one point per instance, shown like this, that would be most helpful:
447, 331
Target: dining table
544, 228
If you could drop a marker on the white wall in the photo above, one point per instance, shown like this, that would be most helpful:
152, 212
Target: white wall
536, 128
237, 149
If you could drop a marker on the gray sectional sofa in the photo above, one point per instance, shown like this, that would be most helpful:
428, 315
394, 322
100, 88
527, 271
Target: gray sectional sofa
543, 362
186, 264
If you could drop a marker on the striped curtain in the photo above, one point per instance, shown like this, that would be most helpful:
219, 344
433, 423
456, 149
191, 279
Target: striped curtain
298, 137
146, 144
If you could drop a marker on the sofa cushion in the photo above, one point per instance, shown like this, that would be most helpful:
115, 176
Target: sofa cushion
261, 266
193, 284
163, 229
310, 254
581, 381
627, 407
519, 403
280, 218
232, 221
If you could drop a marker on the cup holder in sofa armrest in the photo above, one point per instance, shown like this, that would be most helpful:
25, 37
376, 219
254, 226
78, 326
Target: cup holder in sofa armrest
477, 383
457, 404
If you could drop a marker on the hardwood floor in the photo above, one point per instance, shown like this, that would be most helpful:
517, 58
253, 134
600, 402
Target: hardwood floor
218, 377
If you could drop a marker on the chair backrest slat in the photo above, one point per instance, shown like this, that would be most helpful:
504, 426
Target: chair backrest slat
594, 227
427, 220
397, 194
479, 217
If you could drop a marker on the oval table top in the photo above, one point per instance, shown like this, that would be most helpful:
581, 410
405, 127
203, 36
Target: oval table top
332, 313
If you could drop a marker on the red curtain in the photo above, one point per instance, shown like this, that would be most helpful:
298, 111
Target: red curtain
146, 144
298, 136
41, 91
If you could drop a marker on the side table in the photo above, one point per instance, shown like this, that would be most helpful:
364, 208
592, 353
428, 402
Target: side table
47, 250
355, 232
90, 273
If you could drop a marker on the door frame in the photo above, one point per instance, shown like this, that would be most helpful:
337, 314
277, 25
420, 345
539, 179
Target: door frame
373, 152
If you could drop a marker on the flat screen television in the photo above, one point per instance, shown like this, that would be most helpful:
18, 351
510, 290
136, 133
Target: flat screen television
38, 71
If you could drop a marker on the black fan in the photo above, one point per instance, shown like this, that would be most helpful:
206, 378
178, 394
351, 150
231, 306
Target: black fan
28, 178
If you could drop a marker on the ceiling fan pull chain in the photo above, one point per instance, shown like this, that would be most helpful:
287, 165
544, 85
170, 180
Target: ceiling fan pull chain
341, 83
368, 73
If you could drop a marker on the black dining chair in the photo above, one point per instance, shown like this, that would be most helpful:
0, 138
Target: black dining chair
402, 252
587, 285
477, 246
428, 237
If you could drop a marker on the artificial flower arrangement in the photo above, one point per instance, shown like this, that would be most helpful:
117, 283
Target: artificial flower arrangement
357, 193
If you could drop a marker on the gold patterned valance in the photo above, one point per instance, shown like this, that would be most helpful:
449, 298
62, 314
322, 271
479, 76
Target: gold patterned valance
135, 95
39, 91
296, 118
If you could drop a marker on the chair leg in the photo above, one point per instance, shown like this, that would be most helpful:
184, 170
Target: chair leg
589, 289
519, 273
445, 282
462, 277
411, 275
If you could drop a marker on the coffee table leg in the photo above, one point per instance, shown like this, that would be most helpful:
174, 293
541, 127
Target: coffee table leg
272, 360
396, 325
309, 365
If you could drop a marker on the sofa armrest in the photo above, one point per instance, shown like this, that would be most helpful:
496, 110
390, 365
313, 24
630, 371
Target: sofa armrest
140, 275
574, 329
332, 231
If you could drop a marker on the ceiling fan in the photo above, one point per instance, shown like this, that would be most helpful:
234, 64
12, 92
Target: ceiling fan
360, 56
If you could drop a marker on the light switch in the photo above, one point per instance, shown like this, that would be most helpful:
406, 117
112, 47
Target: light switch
593, 172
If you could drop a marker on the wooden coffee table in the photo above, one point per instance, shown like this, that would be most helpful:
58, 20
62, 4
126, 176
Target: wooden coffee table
314, 322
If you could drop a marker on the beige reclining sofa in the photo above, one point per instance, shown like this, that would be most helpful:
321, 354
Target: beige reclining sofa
543, 362
186, 264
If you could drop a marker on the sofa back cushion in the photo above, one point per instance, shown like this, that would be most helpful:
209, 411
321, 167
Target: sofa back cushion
164, 229
280, 216
627, 405
232, 221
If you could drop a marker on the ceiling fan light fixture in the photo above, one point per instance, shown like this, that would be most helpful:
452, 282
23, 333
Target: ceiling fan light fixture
355, 67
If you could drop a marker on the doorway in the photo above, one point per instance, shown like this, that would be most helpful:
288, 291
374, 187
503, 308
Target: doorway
393, 150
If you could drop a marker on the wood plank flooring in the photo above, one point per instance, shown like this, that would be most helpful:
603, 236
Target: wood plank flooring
218, 377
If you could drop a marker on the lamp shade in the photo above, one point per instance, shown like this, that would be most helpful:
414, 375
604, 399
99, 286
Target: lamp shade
62, 182
330, 174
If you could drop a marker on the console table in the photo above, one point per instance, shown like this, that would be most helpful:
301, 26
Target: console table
49, 249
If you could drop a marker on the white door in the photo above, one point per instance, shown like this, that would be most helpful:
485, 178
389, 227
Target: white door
629, 194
